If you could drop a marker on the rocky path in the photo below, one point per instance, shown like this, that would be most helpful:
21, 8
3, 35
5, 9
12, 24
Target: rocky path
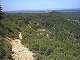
20, 52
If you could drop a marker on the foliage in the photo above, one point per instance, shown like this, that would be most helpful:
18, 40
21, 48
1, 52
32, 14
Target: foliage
59, 41
4, 49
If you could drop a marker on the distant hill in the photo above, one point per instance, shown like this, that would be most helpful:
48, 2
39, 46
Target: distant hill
43, 11
68, 10
28, 11
73, 14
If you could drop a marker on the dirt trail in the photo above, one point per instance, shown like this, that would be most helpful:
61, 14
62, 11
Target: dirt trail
20, 52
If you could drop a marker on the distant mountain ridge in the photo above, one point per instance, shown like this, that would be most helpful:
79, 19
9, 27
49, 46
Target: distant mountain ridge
28, 11
44, 11
68, 10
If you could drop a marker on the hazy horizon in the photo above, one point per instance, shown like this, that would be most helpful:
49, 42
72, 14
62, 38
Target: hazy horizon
17, 5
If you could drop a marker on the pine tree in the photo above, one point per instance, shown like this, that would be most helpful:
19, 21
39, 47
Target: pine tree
1, 13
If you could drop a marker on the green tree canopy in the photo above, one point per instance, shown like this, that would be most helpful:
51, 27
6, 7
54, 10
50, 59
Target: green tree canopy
1, 13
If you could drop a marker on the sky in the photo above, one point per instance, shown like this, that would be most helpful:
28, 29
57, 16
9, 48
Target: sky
12, 5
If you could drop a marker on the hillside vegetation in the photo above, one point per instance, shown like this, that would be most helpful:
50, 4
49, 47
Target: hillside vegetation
50, 36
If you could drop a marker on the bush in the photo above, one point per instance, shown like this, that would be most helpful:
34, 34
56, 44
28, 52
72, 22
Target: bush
4, 49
